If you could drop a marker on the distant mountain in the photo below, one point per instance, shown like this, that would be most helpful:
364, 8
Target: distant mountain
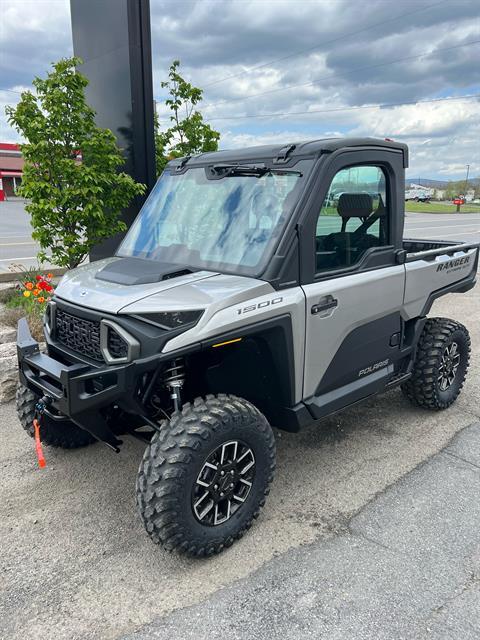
438, 184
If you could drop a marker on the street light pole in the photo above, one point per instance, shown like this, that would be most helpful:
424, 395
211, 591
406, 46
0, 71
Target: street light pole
466, 180
464, 190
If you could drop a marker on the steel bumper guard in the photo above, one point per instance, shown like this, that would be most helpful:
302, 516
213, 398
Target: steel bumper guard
77, 391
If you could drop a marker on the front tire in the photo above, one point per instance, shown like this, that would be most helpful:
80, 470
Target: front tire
440, 366
63, 434
205, 476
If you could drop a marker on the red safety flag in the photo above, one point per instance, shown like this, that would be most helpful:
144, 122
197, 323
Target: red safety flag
38, 445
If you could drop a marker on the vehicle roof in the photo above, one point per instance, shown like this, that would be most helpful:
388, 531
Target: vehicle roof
311, 148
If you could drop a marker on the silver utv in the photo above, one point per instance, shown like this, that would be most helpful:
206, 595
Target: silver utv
266, 286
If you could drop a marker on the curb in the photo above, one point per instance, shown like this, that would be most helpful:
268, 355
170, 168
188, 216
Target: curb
447, 213
13, 276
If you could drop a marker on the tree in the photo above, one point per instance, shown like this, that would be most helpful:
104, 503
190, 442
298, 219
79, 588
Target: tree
454, 189
71, 176
189, 134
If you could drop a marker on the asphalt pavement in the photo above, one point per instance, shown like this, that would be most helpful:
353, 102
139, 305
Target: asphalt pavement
464, 227
369, 532
406, 566
17, 246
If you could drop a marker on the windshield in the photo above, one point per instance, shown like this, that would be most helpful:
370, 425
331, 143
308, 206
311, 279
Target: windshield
228, 223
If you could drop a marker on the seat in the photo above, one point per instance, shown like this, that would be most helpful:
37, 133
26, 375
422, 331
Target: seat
343, 248
354, 205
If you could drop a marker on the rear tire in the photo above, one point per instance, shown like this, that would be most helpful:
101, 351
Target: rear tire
205, 476
64, 434
441, 364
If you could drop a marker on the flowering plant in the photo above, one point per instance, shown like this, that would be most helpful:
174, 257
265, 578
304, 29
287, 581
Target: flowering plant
29, 298
36, 291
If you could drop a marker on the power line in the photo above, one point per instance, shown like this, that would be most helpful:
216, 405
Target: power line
335, 74
318, 46
12, 91
355, 108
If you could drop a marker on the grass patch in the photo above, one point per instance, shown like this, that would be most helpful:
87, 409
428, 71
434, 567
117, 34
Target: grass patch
433, 207
7, 294
11, 315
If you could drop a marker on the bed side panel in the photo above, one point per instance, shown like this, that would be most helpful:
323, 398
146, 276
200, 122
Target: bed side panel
423, 277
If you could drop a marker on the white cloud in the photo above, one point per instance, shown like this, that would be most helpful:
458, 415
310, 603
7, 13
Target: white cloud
345, 63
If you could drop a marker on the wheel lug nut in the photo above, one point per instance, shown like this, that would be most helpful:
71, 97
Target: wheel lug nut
232, 472
215, 486
222, 473
222, 494
231, 485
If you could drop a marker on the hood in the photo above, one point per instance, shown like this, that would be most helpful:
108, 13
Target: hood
213, 292
81, 287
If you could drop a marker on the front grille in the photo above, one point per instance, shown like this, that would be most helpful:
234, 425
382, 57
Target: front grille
78, 334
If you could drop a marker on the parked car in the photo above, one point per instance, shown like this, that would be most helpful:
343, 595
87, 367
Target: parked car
423, 198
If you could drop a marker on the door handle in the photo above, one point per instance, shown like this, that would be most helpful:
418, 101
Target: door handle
329, 303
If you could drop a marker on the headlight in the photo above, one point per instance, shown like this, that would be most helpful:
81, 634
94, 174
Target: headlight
49, 317
173, 319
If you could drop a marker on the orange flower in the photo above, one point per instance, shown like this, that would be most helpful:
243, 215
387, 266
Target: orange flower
36, 292
41, 299
29, 285
49, 276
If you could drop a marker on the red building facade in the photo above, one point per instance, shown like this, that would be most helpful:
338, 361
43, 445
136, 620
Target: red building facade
11, 168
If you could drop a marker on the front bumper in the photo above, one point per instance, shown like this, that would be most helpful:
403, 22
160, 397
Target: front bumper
80, 391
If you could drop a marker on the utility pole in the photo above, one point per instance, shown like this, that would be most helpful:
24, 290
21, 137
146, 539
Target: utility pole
466, 180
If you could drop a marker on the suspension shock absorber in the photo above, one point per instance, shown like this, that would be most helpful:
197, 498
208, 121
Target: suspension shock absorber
174, 378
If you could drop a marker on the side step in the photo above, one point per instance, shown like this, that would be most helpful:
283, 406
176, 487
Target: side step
398, 379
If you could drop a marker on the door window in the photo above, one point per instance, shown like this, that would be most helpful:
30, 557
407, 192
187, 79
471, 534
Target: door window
353, 218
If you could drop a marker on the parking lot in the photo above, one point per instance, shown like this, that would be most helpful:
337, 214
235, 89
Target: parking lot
17, 246
75, 561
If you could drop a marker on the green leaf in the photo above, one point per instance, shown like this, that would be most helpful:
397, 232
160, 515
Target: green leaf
189, 134
73, 205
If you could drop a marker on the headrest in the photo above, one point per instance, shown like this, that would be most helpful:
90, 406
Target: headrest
355, 205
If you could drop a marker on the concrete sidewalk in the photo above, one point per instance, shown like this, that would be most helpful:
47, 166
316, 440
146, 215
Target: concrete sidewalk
406, 566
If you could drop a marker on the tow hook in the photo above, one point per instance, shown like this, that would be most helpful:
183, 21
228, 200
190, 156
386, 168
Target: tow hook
39, 411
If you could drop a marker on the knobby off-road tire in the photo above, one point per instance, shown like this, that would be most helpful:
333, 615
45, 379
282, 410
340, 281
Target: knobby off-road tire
193, 455
64, 434
440, 366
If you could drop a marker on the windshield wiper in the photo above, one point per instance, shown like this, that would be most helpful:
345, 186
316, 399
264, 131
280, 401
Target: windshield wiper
257, 171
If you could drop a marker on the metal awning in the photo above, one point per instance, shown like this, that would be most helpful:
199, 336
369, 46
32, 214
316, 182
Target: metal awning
10, 174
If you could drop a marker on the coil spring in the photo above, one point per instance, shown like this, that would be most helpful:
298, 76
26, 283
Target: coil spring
174, 374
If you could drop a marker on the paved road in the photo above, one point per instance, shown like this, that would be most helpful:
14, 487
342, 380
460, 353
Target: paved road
15, 234
75, 562
463, 227
406, 566
16, 244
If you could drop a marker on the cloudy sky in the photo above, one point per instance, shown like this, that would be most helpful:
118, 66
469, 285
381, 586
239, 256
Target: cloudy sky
285, 70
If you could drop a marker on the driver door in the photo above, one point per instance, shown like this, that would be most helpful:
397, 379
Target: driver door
354, 291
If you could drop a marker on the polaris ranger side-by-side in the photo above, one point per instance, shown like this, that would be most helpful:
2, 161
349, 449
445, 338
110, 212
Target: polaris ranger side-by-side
257, 287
